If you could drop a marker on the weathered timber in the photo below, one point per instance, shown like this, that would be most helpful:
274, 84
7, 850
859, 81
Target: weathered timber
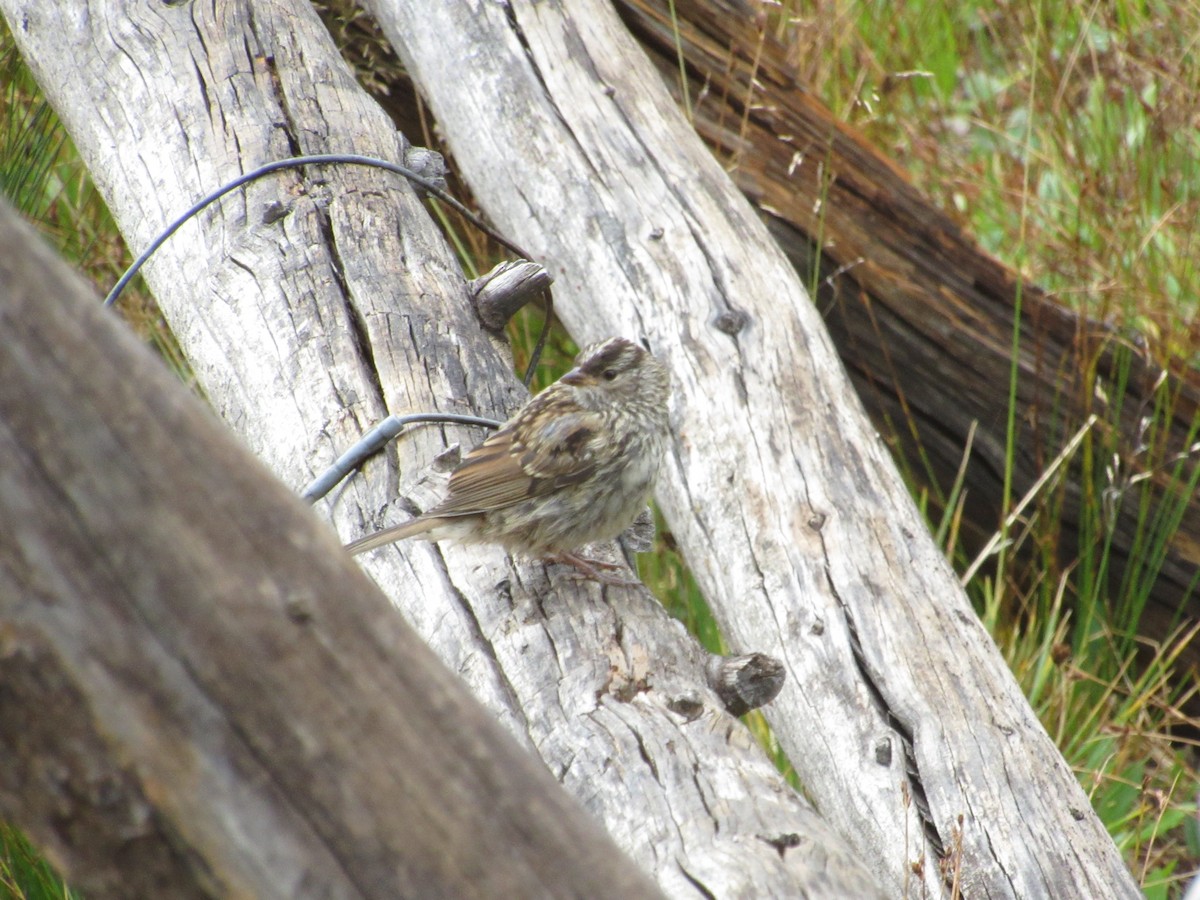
200, 694
305, 328
899, 715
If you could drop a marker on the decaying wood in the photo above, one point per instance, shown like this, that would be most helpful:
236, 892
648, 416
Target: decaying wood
303, 329
501, 293
921, 317
898, 713
200, 694
745, 682
900, 322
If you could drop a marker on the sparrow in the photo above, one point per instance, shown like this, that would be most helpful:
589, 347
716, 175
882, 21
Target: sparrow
573, 466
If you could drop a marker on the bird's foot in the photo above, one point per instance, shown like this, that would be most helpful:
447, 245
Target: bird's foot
596, 569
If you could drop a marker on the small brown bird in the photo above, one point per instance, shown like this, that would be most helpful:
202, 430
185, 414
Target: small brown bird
575, 465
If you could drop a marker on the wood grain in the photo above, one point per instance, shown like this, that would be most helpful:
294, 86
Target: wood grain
303, 329
200, 695
783, 498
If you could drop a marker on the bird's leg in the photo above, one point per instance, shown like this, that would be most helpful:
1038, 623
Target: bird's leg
592, 568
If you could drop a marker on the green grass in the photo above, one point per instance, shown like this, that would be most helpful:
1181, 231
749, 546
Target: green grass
42, 176
24, 875
1069, 128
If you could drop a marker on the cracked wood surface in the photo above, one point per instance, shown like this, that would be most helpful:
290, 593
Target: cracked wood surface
311, 303
785, 502
200, 695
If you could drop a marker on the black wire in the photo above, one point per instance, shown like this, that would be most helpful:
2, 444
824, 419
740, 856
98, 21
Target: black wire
536, 355
373, 440
345, 159
293, 163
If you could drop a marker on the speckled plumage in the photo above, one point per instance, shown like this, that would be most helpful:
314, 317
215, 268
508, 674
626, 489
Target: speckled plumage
573, 466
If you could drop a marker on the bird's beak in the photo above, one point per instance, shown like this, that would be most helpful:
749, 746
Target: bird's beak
574, 377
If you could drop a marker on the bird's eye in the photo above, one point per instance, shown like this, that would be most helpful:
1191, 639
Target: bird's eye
610, 374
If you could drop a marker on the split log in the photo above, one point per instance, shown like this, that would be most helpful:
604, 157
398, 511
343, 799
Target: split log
899, 714
311, 304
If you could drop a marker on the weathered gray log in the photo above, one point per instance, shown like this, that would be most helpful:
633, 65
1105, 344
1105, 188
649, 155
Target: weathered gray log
786, 504
301, 326
200, 694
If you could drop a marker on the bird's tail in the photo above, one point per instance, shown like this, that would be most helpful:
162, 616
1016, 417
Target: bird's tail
389, 536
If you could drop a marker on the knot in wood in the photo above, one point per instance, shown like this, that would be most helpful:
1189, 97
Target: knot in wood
429, 164
731, 322
688, 705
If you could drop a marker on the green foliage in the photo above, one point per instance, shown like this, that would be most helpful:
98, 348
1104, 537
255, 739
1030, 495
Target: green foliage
42, 175
668, 576
1071, 124
24, 875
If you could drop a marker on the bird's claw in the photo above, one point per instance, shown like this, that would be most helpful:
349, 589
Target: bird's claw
594, 569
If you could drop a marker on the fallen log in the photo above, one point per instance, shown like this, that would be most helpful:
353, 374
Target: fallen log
310, 305
900, 717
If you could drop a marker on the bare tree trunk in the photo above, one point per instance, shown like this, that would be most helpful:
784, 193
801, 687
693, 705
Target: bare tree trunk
310, 303
200, 695
901, 717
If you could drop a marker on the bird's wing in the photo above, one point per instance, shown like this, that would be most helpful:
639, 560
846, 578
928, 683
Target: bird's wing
531, 456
